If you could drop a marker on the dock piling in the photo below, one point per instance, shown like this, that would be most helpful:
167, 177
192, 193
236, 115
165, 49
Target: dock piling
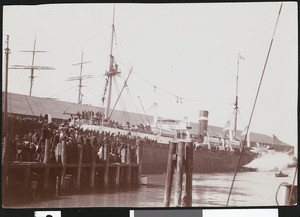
170, 173
63, 168
189, 175
78, 177
179, 173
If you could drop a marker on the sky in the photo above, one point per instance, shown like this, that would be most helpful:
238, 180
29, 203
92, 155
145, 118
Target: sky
185, 53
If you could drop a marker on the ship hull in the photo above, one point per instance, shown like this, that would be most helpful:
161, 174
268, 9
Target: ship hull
155, 160
155, 155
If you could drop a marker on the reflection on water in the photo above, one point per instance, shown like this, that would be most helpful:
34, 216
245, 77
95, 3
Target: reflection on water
250, 189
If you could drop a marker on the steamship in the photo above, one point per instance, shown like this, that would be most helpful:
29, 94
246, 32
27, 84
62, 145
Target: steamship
211, 153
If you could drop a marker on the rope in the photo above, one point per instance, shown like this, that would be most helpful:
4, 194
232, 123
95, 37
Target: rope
29, 105
177, 96
144, 110
291, 193
34, 100
283, 183
137, 111
256, 97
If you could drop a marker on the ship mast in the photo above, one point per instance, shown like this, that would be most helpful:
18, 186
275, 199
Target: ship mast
32, 67
236, 107
113, 70
80, 78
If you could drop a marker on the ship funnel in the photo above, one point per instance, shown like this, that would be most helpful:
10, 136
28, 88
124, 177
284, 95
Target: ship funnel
203, 120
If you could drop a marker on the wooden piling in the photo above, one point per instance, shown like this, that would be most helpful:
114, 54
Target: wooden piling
4, 167
139, 151
78, 177
170, 173
179, 173
27, 182
63, 168
189, 174
46, 162
106, 158
128, 161
93, 167
118, 171
4, 151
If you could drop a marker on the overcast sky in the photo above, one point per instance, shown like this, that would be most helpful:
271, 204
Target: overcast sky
186, 50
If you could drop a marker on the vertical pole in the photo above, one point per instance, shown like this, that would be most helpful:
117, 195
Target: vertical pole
189, 174
118, 171
128, 161
4, 167
170, 173
78, 178
179, 173
7, 51
106, 158
32, 69
27, 182
4, 151
63, 168
47, 152
46, 162
93, 167
139, 151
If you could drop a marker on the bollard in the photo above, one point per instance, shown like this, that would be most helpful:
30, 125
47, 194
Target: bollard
179, 174
187, 202
170, 173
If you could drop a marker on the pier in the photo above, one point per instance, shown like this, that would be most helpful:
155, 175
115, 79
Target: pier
25, 180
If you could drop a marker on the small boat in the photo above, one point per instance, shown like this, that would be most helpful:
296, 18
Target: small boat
281, 174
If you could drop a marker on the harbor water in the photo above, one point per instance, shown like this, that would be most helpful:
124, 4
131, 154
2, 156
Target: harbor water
209, 190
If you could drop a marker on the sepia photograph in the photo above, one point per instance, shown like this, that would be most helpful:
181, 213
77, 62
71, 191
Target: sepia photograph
150, 105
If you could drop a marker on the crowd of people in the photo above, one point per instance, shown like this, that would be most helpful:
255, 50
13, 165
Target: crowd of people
26, 139
98, 118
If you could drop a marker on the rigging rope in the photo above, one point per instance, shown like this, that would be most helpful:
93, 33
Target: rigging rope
29, 105
144, 110
256, 97
34, 100
137, 111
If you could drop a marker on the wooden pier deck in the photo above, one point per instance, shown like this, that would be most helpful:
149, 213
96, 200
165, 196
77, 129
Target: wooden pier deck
22, 181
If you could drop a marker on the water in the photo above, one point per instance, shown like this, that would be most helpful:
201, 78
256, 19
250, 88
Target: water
209, 190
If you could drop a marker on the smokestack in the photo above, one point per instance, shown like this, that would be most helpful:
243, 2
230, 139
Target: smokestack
203, 120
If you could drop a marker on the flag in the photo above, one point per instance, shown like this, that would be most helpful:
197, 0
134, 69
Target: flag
276, 141
227, 126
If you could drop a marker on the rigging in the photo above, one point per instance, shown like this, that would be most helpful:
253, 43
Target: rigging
253, 108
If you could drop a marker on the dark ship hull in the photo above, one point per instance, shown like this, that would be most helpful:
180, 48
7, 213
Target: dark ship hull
155, 160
